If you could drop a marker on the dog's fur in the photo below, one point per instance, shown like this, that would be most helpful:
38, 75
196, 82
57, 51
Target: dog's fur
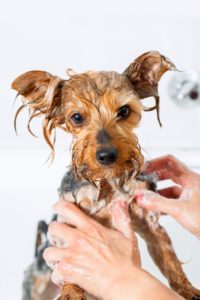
107, 106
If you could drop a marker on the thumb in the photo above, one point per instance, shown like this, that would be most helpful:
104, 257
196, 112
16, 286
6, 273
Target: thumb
155, 202
121, 219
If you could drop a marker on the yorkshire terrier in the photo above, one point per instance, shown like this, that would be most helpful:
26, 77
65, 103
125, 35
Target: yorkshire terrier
100, 110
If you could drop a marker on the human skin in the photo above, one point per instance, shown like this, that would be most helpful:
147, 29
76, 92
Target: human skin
104, 262
181, 202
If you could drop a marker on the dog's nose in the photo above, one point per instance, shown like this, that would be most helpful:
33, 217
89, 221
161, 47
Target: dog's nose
107, 156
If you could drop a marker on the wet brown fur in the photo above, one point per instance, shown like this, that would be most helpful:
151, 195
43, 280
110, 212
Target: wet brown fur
97, 96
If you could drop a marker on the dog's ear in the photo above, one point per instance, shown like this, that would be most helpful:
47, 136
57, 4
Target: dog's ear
41, 93
144, 74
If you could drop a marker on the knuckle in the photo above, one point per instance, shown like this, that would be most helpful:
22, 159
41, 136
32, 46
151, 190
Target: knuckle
95, 229
170, 160
170, 157
82, 241
79, 240
47, 253
63, 266
53, 226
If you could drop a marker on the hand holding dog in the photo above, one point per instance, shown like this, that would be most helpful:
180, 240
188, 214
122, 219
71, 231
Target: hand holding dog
92, 251
104, 262
181, 202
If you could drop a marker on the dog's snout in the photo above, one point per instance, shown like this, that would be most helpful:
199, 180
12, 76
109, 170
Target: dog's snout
103, 137
107, 156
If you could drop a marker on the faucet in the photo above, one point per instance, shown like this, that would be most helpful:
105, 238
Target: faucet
184, 88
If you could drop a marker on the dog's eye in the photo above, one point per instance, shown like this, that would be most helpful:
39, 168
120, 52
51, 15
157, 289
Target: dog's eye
77, 118
124, 112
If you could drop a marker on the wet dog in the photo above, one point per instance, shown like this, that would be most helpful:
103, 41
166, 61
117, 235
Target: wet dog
101, 111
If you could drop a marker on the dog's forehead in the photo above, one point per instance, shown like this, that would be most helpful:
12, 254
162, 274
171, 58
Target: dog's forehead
95, 86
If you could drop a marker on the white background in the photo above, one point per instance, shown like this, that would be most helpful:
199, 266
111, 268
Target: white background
83, 35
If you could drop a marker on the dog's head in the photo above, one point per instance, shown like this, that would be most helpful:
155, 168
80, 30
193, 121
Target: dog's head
100, 110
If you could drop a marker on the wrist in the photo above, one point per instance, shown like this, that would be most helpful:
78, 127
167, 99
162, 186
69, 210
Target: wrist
118, 284
138, 284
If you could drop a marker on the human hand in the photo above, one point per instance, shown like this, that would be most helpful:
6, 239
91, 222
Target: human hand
104, 262
169, 167
181, 202
91, 255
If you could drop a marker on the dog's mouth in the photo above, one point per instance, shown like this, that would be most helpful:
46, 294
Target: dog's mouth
95, 162
130, 167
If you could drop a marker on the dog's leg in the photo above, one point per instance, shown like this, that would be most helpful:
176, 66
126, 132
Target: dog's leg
37, 284
72, 292
161, 250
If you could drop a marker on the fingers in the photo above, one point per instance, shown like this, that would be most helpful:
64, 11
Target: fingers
65, 272
167, 163
167, 174
121, 218
157, 203
159, 163
58, 279
77, 218
53, 256
73, 215
61, 235
171, 192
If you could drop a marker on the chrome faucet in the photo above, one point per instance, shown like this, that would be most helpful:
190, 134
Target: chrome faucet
184, 88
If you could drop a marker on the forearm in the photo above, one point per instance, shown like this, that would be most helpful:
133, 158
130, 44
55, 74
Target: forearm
140, 285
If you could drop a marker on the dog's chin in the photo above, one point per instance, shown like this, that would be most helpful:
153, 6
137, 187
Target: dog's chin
113, 171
